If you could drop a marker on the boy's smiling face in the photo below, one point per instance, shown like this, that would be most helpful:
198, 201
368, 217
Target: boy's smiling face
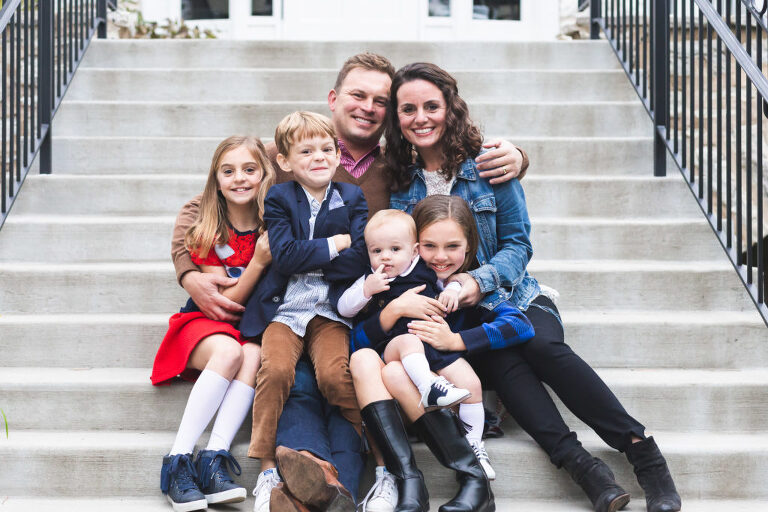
313, 162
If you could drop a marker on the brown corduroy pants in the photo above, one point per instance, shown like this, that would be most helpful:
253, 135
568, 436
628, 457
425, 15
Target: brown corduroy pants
327, 343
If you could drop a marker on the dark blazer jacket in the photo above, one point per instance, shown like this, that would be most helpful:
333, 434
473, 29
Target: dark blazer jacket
286, 213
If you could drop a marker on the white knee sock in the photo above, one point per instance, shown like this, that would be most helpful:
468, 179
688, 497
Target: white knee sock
417, 368
474, 416
237, 403
204, 399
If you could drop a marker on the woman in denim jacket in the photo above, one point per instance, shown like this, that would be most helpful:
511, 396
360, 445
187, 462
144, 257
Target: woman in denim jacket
431, 144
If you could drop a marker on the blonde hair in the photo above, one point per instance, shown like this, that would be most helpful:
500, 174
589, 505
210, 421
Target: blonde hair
212, 225
302, 125
381, 217
440, 207
368, 61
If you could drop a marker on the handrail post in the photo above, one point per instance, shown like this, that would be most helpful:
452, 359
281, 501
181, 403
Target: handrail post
660, 84
46, 83
594, 14
101, 12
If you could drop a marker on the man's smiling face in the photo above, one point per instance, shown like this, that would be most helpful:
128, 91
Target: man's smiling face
359, 107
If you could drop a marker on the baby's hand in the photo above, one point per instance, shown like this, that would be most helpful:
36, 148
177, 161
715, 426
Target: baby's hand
376, 283
450, 299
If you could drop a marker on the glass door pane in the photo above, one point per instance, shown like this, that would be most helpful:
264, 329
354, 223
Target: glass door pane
496, 10
440, 8
204, 9
261, 8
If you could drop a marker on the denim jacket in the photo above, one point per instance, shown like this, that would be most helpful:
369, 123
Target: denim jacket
504, 228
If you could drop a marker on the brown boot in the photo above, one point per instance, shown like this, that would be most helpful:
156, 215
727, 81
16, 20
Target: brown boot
280, 500
313, 481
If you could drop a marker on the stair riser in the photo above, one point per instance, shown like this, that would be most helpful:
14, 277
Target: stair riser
140, 406
297, 85
523, 471
153, 291
76, 155
603, 344
546, 197
290, 54
149, 241
224, 119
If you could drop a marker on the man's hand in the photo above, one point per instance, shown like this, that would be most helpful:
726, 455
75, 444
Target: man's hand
502, 163
437, 333
203, 287
470, 293
376, 283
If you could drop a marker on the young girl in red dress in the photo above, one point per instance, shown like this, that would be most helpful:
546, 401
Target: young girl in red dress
228, 238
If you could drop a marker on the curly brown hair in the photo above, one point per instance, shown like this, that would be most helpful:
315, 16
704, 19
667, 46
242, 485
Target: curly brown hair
461, 137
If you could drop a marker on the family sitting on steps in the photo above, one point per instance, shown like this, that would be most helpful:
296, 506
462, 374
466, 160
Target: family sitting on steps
336, 285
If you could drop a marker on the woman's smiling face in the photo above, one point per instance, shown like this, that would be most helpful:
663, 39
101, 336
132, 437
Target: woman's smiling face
421, 110
443, 247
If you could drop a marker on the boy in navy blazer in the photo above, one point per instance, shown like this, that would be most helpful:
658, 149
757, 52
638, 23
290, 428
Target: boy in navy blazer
316, 237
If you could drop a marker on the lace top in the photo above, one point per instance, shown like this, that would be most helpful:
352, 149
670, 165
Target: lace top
436, 184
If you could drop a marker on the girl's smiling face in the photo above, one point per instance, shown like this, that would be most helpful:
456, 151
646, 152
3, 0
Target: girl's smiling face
239, 176
443, 247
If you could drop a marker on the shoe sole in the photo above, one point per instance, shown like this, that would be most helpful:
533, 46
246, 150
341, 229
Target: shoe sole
189, 506
619, 503
230, 496
305, 480
280, 502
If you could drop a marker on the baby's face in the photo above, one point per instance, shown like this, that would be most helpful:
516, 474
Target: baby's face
391, 244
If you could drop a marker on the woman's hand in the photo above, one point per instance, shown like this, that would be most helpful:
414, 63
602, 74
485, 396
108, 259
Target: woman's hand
261, 254
470, 293
437, 333
502, 163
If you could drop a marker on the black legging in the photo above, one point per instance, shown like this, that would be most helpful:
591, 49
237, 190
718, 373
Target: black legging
517, 373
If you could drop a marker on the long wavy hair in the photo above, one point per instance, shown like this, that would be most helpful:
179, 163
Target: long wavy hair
461, 138
438, 207
212, 224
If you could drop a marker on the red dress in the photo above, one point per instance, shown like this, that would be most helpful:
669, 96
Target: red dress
186, 330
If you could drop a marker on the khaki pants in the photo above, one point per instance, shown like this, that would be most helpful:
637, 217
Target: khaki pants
327, 343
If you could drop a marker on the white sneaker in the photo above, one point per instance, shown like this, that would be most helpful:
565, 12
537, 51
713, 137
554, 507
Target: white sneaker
442, 393
267, 481
482, 456
383, 495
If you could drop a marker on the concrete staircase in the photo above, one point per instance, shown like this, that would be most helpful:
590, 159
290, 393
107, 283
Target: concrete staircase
647, 296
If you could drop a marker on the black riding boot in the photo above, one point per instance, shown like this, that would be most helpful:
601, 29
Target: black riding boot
440, 431
653, 476
386, 427
596, 479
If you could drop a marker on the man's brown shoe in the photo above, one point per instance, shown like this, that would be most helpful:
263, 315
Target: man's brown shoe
313, 481
280, 500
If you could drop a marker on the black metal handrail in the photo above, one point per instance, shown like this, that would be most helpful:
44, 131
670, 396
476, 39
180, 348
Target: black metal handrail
41, 45
661, 46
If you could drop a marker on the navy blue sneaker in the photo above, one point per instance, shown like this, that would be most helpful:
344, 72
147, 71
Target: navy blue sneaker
178, 483
215, 482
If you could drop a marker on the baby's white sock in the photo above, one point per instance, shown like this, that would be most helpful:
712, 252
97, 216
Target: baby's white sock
474, 416
237, 403
417, 368
204, 399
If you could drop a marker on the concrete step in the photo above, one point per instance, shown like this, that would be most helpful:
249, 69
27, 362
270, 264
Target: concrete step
296, 54
146, 238
601, 285
180, 155
591, 285
233, 84
610, 339
625, 197
122, 398
221, 119
159, 504
105, 463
